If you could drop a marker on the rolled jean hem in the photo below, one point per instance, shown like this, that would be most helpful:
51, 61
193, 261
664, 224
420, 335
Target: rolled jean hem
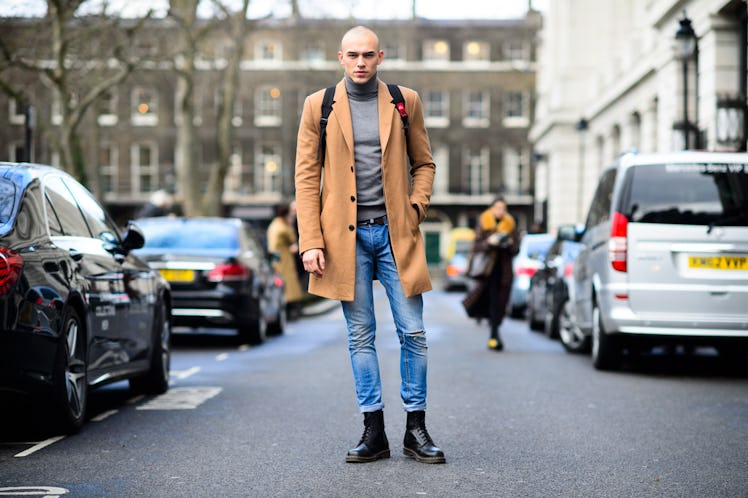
371, 408
415, 408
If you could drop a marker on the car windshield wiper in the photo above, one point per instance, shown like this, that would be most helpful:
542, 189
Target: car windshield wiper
726, 220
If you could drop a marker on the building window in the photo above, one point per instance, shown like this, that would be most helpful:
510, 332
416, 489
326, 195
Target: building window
440, 154
107, 109
144, 107
16, 152
477, 110
144, 167
436, 51
393, 52
514, 50
267, 177
108, 161
436, 108
237, 116
314, 52
515, 171
269, 51
516, 110
16, 114
476, 172
476, 51
232, 184
268, 106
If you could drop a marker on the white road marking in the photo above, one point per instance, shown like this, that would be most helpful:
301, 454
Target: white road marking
45, 491
105, 415
38, 446
222, 357
183, 374
181, 398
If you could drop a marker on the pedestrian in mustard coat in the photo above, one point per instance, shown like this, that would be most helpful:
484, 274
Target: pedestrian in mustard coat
359, 215
282, 240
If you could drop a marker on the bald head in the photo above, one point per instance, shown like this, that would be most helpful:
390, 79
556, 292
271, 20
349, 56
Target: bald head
356, 33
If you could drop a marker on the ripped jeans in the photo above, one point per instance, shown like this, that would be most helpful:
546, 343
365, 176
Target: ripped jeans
374, 258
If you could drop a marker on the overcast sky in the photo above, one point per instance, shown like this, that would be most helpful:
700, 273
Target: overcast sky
360, 9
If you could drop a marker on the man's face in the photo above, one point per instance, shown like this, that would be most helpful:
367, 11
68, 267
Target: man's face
360, 55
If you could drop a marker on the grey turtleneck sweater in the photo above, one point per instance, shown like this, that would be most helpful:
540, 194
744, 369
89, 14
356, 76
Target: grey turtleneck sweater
367, 149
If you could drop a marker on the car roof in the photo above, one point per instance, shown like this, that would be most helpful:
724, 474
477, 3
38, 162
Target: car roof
683, 157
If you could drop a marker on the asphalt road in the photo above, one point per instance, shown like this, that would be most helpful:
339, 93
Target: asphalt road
276, 420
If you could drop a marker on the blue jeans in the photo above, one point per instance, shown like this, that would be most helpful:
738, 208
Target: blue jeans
374, 259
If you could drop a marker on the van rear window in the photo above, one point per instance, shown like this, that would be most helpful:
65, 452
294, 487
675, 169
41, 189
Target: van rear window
687, 194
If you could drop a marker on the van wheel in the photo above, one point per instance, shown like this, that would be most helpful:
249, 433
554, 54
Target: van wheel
606, 348
572, 337
70, 379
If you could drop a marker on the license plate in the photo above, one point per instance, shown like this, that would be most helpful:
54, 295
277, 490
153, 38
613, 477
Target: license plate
177, 275
718, 262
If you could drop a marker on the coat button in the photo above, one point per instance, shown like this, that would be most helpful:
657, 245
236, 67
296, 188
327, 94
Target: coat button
351, 169
353, 198
351, 228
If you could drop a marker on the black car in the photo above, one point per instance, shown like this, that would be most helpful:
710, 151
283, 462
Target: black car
77, 308
549, 285
220, 274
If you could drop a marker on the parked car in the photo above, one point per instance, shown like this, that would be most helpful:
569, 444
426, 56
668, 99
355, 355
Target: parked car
77, 308
458, 254
530, 257
220, 275
664, 257
549, 285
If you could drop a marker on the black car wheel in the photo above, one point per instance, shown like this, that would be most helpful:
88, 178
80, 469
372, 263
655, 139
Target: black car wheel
606, 350
572, 337
70, 379
254, 331
279, 325
156, 381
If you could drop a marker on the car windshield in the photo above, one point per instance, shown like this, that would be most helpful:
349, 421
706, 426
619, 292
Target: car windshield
688, 194
536, 248
189, 234
7, 200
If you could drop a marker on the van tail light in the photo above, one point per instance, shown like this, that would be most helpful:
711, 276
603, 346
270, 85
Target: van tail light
231, 271
10, 268
453, 270
617, 245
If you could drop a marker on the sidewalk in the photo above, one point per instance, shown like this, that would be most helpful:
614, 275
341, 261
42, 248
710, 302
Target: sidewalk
319, 306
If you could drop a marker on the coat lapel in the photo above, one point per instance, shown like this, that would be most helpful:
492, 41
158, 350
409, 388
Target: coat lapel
341, 110
385, 115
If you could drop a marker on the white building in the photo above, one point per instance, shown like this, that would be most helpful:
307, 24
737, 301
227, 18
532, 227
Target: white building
609, 80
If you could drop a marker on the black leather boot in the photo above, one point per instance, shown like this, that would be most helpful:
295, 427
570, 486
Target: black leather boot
373, 444
417, 442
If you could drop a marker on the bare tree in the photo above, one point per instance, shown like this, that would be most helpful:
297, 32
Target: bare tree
80, 58
237, 21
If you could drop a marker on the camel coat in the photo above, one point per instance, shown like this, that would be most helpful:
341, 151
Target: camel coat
280, 237
326, 197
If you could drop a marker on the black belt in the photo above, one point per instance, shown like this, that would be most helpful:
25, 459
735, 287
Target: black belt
373, 221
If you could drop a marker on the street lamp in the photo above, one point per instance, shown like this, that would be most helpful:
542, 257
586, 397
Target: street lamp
581, 126
685, 47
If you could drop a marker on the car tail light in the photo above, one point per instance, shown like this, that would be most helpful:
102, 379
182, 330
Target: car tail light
10, 267
453, 271
569, 269
617, 245
278, 281
229, 272
528, 271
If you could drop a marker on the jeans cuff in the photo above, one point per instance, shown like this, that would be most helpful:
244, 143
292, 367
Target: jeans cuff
371, 408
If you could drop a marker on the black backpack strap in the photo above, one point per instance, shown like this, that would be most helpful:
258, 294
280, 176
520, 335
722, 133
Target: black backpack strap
399, 101
327, 102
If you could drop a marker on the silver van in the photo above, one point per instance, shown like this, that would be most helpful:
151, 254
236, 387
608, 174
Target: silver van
664, 258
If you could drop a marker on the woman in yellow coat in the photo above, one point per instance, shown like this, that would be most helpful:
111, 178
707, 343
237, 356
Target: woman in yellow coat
282, 240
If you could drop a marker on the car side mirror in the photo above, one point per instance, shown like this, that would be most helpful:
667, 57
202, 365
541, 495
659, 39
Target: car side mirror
133, 238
